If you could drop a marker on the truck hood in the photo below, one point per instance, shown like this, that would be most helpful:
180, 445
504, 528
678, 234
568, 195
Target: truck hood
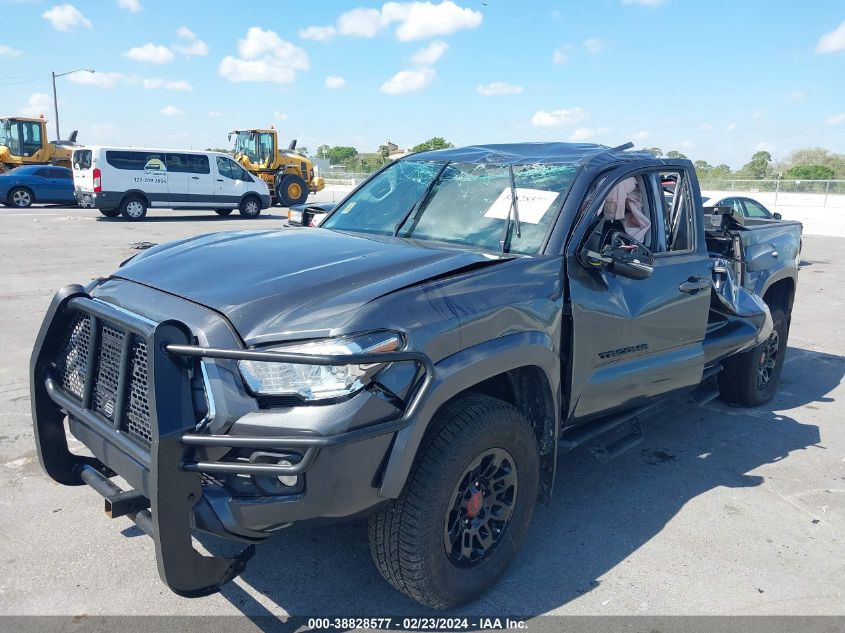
291, 283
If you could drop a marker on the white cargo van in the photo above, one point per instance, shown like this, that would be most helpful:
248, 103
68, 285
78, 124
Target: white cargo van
127, 181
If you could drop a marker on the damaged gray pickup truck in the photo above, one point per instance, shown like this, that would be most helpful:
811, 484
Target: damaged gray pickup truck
457, 324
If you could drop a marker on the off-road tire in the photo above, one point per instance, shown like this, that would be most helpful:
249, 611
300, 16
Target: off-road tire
109, 213
740, 381
291, 189
133, 208
407, 536
223, 211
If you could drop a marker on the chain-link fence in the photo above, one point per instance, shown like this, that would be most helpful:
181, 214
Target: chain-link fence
338, 177
809, 193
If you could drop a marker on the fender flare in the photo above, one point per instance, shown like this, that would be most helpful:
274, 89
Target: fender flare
458, 373
135, 193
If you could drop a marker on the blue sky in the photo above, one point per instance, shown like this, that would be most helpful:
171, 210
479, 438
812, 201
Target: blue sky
716, 80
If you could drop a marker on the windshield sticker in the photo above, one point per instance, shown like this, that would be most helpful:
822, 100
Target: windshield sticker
531, 203
155, 167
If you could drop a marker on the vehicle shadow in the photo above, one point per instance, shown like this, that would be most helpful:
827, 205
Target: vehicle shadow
207, 217
599, 514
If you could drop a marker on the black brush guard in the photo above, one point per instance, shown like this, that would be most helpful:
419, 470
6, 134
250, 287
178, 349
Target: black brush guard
173, 484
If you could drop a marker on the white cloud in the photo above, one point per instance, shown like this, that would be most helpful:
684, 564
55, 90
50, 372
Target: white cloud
103, 80
705, 127
594, 45
758, 114
280, 116
264, 56
38, 103
560, 57
171, 111
154, 83
318, 33
559, 118
833, 41
408, 81
214, 114
191, 45
360, 22
421, 20
796, 95
498, 88
333, 82
133, 6
642, 136
836, 119
731, 127
152, 53
586, 133
431, 54
65, 17
763, 146
413, 20
8, 51
644, 3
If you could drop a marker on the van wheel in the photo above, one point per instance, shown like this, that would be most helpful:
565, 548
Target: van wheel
20, 197
133, 208
291, 189
250, 207
751, 378
109, 213
466, 505
223, 211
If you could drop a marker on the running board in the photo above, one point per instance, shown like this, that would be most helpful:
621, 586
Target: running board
611, 436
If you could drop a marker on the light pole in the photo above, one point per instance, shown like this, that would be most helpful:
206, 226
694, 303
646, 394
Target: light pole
56, 101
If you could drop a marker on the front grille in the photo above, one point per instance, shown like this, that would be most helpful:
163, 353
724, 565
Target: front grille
106, 398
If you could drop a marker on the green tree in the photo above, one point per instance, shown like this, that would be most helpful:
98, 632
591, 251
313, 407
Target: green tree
809, 172
322, 151
337, 155
658, 153
758, 168
436, 142
815, 156
384, 151
674, 154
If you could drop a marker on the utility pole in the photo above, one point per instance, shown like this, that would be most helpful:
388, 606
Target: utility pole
55, 98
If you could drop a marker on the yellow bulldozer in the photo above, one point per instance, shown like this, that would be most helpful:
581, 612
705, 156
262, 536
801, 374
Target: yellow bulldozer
289, 175
23, 141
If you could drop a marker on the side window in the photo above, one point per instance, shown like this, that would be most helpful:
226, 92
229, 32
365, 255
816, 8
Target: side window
239, 173
198, 164
755, 210
177, 163
126, 160
224, 166
677, 223
31, 137
63, 174
627, 207
44, 173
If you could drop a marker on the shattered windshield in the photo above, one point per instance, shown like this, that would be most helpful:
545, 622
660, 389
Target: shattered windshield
460, 203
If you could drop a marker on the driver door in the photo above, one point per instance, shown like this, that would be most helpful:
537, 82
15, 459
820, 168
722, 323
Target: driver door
635, 339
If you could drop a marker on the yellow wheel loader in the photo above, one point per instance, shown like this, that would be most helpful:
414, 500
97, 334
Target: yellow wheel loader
23, 141
289, 175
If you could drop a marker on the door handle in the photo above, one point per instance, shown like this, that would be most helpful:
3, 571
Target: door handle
219, 180
694, 284
195, 177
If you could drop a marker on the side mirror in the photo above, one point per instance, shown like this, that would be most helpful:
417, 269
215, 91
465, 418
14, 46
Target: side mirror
623, 256
777, 216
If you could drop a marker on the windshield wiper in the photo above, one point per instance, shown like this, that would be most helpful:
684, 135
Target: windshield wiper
417, 208
513, 216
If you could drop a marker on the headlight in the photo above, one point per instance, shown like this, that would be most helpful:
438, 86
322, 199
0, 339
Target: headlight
318, 382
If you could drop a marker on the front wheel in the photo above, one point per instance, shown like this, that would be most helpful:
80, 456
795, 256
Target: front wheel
751, 378
20, 197
250, 207
291, 189
466, 506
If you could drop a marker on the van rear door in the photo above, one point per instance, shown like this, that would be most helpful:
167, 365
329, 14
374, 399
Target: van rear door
83, 170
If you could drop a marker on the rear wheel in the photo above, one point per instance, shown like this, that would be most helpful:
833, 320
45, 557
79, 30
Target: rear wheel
133, 208
250, 207
751, 378
20, 197
109, 213
223, 211
465, 508
291, 189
